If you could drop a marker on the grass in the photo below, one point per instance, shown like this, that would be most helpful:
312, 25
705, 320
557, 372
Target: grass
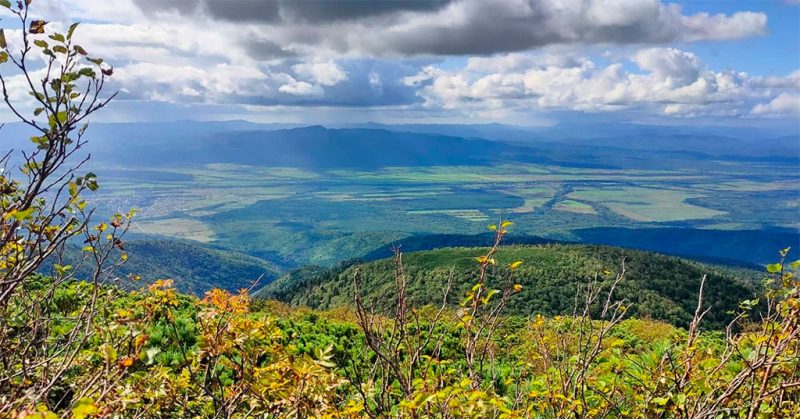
647, 204
183, 228
534, 197
469, 215
575, 206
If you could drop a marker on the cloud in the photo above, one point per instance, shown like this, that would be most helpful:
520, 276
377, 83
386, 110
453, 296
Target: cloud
300, 88
526, 57
311, 11
665, 81
670, 66
325, 73
784, 105
165, 82
463, 27
476, 27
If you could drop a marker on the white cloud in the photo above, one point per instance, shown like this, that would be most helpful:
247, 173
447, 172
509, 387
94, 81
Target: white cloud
666, 81
165, 82
784, 104
705, 27
300, 88
325, 73
521, 55
673, 67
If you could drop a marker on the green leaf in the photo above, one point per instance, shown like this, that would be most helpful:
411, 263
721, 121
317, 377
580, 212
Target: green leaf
38, 111
23, 215
62, 270
57, 37
40, 43
3, 43
774, 268
42, 141
3, 57
91, 181
97, 61
52, 121
5, 3
72, 29
87, 72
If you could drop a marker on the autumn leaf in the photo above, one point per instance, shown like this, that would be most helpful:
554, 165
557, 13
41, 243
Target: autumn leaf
125, 362
37, 26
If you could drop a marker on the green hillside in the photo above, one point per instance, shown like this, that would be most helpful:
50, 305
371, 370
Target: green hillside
656, 286
194, 267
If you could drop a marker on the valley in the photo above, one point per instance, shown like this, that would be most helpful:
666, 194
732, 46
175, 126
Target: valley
318, 196
323, 215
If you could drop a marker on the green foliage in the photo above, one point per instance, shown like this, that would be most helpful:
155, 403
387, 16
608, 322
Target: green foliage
194, 268
161, 353
656, 286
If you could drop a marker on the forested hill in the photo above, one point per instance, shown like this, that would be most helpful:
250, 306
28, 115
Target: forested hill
656, 286
195, 268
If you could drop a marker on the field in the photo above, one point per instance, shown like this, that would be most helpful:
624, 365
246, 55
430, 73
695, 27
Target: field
323, 216
647, 204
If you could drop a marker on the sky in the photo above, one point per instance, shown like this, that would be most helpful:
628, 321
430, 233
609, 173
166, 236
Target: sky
524, 62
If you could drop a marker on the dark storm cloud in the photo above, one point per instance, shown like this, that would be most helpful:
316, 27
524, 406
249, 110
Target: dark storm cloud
243, 10
264, 49
272, 11
463, 27
182, 7
488, 27
338, 10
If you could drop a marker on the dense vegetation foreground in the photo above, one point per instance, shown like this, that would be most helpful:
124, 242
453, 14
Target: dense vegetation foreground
155, 352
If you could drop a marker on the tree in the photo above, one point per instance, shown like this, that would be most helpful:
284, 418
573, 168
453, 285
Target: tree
42, 208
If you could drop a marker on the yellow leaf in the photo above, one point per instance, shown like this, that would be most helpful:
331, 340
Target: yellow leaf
84, 408
515, 265
506, 224
517, 287
125, 362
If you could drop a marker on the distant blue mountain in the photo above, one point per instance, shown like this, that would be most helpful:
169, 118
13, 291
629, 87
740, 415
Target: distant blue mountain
376, 145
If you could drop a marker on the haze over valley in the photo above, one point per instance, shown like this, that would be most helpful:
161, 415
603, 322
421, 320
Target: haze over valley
298, 195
